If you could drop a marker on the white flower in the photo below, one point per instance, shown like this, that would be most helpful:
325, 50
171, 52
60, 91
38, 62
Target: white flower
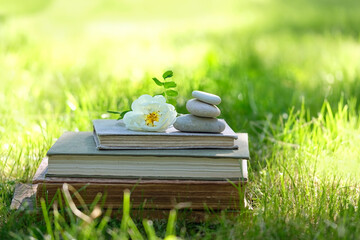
150, 114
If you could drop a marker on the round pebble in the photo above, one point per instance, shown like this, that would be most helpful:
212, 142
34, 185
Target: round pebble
207, 97
191, 123
201, 109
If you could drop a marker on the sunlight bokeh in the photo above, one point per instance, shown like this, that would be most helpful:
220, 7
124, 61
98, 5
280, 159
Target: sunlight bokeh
64, 63
288, 74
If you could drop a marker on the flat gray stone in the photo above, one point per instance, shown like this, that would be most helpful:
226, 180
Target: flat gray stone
201, 109
191, 123
207, 97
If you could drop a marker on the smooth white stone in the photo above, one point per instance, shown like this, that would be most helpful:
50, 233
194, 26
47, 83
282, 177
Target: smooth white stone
207, 97
201, 109
191, 123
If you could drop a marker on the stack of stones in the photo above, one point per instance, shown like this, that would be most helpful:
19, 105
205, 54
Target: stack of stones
203, 113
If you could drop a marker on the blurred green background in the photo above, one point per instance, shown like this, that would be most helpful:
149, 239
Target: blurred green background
64, 63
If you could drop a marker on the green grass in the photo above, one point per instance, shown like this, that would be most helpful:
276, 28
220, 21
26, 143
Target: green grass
287, 72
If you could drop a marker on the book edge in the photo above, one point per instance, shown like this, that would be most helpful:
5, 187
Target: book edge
242, 136
139, 133
41, 176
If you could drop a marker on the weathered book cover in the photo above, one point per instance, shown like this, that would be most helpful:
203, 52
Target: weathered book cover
112, 134
75, 155
82, 143
147, 194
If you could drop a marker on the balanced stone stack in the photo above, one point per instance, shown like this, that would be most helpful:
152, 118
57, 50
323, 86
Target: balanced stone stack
203, 114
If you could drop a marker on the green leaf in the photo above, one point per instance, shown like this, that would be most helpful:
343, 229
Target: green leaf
115, 112
167, 74
123, 113
158, 82
172, 93
169, 85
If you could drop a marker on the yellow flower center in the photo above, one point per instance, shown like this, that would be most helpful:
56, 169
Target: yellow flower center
151, 118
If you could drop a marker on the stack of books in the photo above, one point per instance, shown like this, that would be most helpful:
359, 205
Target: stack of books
161, 169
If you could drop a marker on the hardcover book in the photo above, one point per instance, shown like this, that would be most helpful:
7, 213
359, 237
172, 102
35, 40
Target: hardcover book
75, 155
112, 134
146, 193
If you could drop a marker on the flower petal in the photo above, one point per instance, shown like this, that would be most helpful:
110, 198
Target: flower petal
133, 120
159, 99
137, 105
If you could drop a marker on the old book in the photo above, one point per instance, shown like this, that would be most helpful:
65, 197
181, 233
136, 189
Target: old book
75, 155
112, 134
147, 194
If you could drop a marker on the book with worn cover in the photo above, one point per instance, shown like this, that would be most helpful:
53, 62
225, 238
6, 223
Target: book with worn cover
147, 194
112, 134
75, 155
